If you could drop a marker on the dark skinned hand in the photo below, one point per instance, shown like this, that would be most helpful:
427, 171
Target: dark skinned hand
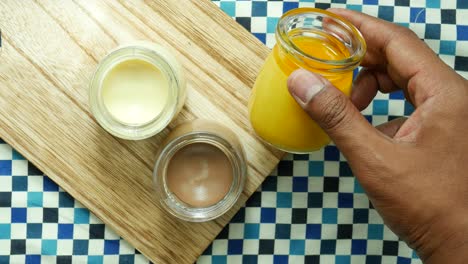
414, 170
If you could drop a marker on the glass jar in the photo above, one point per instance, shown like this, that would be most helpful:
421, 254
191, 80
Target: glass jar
318, 41
192, 187
149, 61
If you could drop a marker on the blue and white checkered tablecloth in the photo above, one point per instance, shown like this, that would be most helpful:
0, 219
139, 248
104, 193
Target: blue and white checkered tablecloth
310, 210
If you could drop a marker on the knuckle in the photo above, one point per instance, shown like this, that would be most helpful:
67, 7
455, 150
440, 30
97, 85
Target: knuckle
334, 111
403, 31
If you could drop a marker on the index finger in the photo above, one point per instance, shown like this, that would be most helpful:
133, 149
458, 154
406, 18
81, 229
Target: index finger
382, 37
396, 49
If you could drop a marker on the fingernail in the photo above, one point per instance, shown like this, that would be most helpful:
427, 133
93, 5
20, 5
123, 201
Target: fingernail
304, 85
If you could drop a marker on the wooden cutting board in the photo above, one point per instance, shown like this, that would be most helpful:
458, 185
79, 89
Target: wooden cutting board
49, 52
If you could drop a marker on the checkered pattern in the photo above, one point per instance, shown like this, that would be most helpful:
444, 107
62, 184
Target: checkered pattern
320, 215
39, 222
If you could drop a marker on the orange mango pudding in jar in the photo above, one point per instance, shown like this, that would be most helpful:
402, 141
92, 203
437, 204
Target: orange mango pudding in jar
318, 41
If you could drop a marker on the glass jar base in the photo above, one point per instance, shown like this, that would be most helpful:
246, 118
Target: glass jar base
292, 151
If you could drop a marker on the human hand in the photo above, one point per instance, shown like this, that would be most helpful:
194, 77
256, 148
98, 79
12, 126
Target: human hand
415, 170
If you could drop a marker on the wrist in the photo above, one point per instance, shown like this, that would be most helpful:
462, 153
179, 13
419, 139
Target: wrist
446, 241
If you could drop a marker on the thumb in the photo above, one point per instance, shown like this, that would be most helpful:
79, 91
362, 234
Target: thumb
334, 113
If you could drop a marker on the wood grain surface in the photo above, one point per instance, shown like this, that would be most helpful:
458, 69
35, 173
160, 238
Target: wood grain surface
50, 50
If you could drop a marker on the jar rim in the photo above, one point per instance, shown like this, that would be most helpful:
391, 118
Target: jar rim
348, 63
152, 55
